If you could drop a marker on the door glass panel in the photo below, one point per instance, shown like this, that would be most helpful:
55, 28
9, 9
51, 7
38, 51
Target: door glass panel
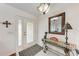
19, 32
29, 32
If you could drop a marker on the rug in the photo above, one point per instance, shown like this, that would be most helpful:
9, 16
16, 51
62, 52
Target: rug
31, 51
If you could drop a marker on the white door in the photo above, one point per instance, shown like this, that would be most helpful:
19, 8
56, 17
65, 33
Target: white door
25, 33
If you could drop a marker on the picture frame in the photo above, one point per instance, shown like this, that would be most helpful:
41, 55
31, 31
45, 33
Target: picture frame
56, 24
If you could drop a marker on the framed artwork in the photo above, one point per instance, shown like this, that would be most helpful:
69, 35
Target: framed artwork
56, 24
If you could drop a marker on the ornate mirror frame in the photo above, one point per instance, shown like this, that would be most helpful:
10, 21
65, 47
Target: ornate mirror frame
56, 24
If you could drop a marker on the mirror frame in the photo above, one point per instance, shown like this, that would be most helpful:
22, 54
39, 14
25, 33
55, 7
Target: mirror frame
62, 23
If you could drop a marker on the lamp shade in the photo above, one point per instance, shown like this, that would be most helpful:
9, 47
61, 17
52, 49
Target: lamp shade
67, 26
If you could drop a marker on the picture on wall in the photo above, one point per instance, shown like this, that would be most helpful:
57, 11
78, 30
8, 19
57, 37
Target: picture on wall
56, 24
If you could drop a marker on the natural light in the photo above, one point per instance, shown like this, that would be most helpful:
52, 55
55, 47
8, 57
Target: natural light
19, 33
29, 32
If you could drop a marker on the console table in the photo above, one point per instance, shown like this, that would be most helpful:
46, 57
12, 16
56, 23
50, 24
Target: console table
66, 48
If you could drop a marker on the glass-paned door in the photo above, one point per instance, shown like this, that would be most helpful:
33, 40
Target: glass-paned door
29, 31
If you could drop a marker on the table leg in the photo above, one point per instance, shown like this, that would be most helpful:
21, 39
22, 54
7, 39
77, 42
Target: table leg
67, 52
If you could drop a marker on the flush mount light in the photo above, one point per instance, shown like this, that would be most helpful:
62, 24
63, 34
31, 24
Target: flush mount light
44, 7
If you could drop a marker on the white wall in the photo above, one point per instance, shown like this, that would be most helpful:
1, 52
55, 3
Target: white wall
72, 16
9, 36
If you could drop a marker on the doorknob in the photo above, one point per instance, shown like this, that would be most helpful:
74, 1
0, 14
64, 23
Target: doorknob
24, 33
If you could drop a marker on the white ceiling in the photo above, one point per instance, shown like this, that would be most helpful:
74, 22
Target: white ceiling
27, 7
31, 8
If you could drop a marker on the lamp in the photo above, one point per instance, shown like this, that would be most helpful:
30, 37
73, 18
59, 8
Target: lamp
67, 27
44, 7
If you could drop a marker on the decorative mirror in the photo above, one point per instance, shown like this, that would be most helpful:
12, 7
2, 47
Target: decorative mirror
56, 24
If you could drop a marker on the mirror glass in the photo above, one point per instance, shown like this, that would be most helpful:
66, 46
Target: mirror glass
56, 24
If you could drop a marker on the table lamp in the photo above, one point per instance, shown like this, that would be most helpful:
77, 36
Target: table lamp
67, 27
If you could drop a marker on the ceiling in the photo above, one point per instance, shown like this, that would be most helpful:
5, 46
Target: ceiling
31, 8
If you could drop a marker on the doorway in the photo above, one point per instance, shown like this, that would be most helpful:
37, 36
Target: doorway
25, 33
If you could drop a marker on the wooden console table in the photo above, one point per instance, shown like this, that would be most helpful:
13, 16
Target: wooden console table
66, 48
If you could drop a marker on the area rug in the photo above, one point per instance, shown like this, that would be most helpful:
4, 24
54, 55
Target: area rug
31, 51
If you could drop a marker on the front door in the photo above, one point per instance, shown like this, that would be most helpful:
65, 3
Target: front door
25, 33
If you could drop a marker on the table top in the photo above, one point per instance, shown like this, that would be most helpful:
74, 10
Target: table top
61, 44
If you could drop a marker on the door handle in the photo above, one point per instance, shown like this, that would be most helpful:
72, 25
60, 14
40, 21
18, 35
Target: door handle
24, 33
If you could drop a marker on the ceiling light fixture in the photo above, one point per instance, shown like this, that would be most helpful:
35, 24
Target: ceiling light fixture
44, 7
